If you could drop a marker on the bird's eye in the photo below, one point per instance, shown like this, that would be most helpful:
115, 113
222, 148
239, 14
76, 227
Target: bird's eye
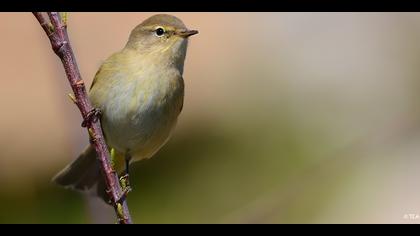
159, 32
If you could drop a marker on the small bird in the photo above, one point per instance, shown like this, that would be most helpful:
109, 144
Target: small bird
139, 92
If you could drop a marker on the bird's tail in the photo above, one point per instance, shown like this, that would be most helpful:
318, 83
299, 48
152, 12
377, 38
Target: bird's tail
83, 174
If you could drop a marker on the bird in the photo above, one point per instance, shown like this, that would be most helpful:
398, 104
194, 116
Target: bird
139, 94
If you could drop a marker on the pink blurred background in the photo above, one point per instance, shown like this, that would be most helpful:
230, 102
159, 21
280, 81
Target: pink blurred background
288, 117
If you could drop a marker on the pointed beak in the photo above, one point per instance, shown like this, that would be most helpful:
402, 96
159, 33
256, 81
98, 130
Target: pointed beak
186, 33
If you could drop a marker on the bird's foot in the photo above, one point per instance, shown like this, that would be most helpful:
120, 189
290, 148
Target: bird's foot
124, 195
92, 116
125, 184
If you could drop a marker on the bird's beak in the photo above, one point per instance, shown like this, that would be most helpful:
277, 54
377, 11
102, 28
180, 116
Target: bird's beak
186, 33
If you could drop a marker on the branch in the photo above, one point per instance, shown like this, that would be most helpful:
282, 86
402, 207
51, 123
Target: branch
56, 31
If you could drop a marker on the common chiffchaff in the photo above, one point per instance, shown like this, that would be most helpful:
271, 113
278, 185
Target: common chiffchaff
139, 91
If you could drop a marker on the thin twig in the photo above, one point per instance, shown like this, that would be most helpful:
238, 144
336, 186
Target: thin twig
60, 43
43, 22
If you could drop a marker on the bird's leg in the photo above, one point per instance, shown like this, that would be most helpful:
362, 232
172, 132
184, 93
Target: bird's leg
92, 116
125, 178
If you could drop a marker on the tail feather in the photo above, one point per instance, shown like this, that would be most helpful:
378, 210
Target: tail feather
83, 174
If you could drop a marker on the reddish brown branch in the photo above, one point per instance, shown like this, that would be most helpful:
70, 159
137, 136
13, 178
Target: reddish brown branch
60, 43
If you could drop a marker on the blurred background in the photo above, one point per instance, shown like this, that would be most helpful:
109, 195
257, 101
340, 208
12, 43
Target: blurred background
288, 118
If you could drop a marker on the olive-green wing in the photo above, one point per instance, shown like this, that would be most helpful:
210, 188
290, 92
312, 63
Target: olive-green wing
95, 78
